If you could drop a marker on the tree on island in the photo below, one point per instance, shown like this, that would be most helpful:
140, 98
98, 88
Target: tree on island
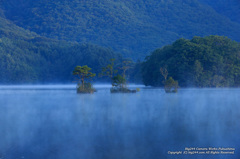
126, 65
119, 82
120, 86
170, 85
164, 72
109, 70
83, 73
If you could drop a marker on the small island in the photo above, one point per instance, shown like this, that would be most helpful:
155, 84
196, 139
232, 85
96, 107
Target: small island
118, 81
119, 85
170, 85
83, 73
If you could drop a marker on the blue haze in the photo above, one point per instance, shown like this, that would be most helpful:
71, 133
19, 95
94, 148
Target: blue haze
53, 122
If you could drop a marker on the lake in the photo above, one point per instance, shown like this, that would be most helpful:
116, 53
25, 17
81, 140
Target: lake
53, 122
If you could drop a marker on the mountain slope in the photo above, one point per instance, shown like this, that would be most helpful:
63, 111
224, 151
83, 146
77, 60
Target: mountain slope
9, 29
228, 8
26, 57
128, 27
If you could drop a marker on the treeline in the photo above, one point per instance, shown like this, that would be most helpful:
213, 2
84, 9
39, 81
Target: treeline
213, 61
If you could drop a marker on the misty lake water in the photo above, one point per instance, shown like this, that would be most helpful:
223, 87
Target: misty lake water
53, 122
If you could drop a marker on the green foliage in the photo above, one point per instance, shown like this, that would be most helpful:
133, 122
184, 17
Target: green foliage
212, 61
121, 90
47, 61
109, 70
138, 89
198, 72
126, 65
131, 28
119, 85
119, 81
123, 68
87, 88
170, 85
28, 58
83, 73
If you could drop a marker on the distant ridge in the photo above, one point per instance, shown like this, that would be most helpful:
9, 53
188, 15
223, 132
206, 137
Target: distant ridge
134, 29
228, 8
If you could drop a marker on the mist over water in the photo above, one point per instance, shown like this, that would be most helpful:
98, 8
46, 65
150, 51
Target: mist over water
53, 122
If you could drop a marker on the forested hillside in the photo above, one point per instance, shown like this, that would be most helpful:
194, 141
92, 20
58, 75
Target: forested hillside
42, 41
10, 30
134, 29
42, 61
228, 8
26, 57
212, 61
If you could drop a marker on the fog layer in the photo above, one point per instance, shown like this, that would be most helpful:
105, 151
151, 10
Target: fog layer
60, 124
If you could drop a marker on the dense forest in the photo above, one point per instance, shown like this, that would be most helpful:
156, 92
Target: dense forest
44, 61
133, 29
42, 41
26, 57
212, 61
228, 8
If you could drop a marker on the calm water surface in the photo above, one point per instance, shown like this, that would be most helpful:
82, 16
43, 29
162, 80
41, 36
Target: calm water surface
53, 122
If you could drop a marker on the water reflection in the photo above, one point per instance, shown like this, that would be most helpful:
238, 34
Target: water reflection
58, 123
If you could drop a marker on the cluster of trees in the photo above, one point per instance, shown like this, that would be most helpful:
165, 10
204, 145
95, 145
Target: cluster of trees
83, 73
131, 28
118, 78
212, 61
170, 85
